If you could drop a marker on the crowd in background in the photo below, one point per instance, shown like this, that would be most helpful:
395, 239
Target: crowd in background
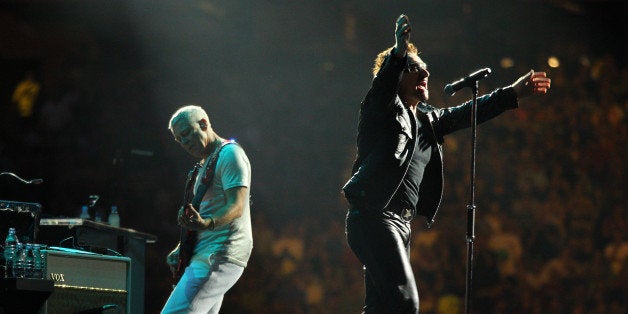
551, 227
551, 220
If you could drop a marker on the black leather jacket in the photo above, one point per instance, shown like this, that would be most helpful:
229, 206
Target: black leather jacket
386, 141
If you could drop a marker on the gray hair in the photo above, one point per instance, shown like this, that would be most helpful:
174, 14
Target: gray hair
192, 113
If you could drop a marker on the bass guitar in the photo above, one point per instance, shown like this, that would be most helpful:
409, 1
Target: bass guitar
187, 238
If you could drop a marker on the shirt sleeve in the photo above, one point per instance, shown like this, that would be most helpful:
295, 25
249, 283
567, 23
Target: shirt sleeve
233, 168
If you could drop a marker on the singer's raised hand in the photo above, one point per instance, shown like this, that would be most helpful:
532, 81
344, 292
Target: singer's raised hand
532, 83
402, 35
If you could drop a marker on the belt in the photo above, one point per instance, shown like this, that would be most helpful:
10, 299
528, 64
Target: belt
404, 213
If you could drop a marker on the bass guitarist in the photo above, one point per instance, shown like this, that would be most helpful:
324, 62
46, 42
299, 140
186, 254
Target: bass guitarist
216, 238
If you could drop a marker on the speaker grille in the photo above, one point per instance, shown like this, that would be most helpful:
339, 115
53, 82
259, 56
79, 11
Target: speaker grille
72, 300
87, 282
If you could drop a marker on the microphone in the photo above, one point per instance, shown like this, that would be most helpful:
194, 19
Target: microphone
468, 81
36, 181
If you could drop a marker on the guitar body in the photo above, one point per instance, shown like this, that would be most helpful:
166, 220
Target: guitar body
187, 238
186, 249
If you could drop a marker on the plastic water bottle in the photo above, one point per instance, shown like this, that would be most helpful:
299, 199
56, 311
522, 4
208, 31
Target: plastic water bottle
85, 212
29, 266
98, 216
24, 262
11, 243
43, 259
114, 217
39, 267
20, 261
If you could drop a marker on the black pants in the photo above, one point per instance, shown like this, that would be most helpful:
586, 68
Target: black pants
381, 241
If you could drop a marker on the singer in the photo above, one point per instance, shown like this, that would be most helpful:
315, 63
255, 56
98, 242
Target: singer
398, 171
221, 239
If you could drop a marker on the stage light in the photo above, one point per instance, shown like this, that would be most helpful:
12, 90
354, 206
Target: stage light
506, 62
553, 62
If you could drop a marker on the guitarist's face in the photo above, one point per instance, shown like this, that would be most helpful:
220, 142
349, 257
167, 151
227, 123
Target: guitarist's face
192, 136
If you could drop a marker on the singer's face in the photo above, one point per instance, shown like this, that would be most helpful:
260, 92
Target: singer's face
191, 137
414, 80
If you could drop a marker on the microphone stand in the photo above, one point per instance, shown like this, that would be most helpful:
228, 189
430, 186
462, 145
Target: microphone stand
471, 206
33, 181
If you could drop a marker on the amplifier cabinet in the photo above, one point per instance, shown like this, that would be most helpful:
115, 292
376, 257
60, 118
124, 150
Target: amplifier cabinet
101, 237
87, 281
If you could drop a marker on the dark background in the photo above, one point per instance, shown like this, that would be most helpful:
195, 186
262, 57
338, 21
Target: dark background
285, 79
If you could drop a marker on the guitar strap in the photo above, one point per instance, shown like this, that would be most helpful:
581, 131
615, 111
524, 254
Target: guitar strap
208, 176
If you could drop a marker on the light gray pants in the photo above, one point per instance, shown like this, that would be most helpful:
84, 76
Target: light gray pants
202, 287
